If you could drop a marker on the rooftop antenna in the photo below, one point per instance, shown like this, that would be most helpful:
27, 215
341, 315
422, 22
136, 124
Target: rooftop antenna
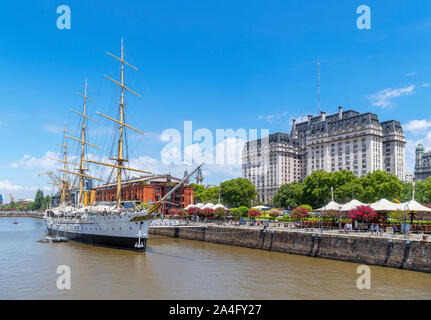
318, 86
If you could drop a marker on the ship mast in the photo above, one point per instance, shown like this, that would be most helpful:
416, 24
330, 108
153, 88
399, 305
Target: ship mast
81, 171
64, 183
120, 160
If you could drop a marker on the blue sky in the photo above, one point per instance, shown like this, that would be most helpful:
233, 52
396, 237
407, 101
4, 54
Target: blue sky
219, 64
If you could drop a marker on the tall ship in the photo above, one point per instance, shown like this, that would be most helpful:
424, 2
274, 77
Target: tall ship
104, 223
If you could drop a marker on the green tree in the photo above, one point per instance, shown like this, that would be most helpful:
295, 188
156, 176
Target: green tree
38, 200
345, 185
289, 195
422, 191
198, 192
235, 213
378, 185
30, 206
243, 211
202, 194
427, 191
45, 202
211, 194
238, 192
317, 188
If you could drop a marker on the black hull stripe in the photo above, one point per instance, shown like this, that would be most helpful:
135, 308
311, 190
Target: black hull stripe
105, 241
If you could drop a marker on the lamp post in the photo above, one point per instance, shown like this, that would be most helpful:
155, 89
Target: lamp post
406, 208
224, 216
320, 219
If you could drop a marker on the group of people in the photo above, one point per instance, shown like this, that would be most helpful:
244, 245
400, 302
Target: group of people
376, 229
348, 227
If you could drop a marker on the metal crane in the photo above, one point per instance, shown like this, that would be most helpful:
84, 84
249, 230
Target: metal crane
55, 180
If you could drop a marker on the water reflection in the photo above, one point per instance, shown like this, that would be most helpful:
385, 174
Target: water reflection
183, 269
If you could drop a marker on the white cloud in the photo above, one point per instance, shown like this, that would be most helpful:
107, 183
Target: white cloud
52, 128
384, 97
31, 162
6, 185
20, 192
426, 84
222, 161
411, 74
272, 117
417, 126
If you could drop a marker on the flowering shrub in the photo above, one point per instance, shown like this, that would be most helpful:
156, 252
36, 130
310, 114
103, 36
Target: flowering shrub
207, 212
306, 206
252, 213
194, 211
173, 212
219, 212
299, 213
176, 213
363, 214
274, 213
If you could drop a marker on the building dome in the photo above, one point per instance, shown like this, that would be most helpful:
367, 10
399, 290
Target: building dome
420, 148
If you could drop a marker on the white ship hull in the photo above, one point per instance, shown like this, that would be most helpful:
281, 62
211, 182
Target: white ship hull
113, 230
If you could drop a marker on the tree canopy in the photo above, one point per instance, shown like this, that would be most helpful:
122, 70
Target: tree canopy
315, 190
202, 194
238, 192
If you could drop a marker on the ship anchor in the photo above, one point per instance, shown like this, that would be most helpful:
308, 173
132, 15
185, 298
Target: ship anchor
139, 245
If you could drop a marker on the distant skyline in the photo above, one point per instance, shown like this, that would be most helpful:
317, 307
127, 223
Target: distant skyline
243, 64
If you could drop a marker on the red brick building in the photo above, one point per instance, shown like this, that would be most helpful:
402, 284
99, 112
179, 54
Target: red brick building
148, 189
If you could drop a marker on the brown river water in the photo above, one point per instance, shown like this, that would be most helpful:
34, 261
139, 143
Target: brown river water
183, 269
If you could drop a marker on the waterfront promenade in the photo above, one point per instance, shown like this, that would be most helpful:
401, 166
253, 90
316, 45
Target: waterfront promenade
17, 214
411, 252
290, 226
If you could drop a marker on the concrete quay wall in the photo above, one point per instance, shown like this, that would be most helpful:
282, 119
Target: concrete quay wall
396, 253
21, 214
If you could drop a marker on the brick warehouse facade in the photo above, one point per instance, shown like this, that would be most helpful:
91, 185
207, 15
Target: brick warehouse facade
146, 189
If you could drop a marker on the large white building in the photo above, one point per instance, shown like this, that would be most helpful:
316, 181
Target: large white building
344, 140
423, 164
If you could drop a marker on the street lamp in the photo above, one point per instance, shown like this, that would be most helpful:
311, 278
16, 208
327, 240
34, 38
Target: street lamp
406, 208
224, 217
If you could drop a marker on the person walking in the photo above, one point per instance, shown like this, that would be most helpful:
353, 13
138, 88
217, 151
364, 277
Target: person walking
372, 229
394, 228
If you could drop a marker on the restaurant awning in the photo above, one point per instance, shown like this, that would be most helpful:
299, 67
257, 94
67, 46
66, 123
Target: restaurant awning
331, 206
353, 204
385, 205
